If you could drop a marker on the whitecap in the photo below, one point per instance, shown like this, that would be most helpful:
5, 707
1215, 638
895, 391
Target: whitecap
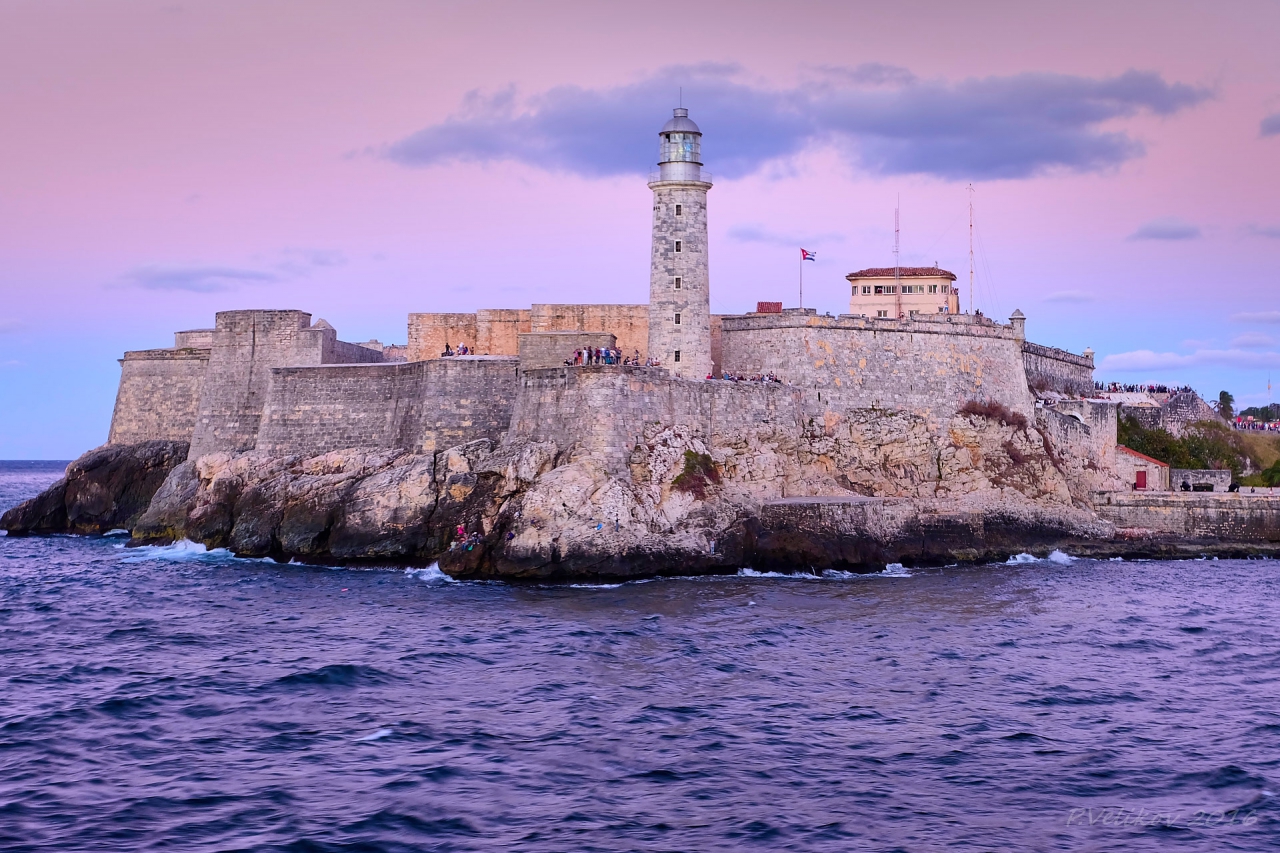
183, 549
378, 735
894, 570
752, 573
119, 531
431, 574
594, 585
1024, 557
1061, 558
1115, 559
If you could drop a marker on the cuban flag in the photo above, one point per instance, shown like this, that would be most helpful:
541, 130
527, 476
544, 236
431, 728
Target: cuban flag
806, 255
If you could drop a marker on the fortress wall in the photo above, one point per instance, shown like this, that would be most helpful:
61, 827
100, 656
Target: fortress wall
341, 352
604, 410
1150, 417
717, 345
428, 333
551, 349
629, 323
420, 406
1186, 408
1082, 434
1052, 369
246, 345
916, 364
159, 395
498, 330
198, 338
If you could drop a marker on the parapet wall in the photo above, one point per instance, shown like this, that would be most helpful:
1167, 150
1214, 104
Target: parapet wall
159, 394
923, 364
629, 323
551, 349
1053, 369
419, 406
428, 334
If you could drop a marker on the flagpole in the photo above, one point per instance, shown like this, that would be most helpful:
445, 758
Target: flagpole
802, 278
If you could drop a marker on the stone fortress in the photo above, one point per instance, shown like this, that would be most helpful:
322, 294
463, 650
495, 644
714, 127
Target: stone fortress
956, 413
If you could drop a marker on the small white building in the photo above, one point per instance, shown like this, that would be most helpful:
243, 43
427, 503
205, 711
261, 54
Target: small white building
1141, 472
878, 292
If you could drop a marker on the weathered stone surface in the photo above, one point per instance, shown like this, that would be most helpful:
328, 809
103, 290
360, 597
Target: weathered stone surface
105, 489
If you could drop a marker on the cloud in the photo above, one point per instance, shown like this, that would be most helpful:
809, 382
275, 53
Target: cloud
1256, 317
201, 278
1270, 125
1270, 231
759, 234
1252, 340
884, 119
1146, 360
1069, 296
197, 279
1166, 228
9, 327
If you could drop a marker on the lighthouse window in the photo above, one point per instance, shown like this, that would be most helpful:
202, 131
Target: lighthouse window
679, 210
678, 245
677, 358
679, 282
677, 319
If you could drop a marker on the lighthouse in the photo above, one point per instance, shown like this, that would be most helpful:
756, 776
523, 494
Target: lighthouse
679, 299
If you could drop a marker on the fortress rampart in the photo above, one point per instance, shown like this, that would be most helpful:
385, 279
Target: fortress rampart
496, 331
932, 364
1053, 369
159, 394
420, 406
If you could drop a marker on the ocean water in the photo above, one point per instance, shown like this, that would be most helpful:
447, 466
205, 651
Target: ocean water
171, 698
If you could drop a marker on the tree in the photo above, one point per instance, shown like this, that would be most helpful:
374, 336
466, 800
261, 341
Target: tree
1226, 405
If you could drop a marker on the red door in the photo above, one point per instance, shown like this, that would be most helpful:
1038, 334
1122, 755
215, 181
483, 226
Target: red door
1142, 480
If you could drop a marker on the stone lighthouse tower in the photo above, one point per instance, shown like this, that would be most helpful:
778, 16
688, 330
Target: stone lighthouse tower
679, 299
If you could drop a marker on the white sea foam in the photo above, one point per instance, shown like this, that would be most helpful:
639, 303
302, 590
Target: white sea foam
1061, 558
378, 735
594, 585
431, 574
183, 549
119, 531
1022, 558
894, 570
752, 573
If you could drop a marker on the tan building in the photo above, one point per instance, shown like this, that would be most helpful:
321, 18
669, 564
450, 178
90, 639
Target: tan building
877, 292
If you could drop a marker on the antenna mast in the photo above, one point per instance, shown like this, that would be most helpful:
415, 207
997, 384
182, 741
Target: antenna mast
970, 248
897, 269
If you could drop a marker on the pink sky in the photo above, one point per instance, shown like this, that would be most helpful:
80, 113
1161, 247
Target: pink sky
247, 150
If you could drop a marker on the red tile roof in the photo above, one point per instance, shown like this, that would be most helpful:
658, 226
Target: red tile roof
905, 272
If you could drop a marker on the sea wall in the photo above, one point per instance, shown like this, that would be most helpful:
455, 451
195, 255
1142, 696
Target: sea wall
419, 406
1231, 516
924, 364
1053, 369
159, 394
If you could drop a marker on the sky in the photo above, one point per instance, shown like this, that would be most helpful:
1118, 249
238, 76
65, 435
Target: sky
162, 161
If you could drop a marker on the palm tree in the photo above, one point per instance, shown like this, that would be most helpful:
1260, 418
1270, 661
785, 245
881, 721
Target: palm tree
1226, 405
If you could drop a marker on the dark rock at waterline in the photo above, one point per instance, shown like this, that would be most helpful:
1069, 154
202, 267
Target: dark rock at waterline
105, 489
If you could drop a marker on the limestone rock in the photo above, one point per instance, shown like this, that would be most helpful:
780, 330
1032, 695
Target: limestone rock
105, 489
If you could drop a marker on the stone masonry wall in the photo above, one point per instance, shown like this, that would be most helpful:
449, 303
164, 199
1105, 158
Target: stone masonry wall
1231, 516
605, 410
920, 364
498, 330
198, 338
246, 346
159, 394
1219, 480
687, 231
1052, 369
551, 349
428, 333
629, 323
1082, 434
420, 406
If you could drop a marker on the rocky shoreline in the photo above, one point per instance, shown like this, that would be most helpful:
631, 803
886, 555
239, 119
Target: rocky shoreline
526, 513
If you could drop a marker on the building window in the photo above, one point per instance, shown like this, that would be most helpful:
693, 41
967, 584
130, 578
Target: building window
866, 288
679, 283
677, 356
879, 288
933, 288
946, 288
677, 319
679, 245
679, 210
882, 313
